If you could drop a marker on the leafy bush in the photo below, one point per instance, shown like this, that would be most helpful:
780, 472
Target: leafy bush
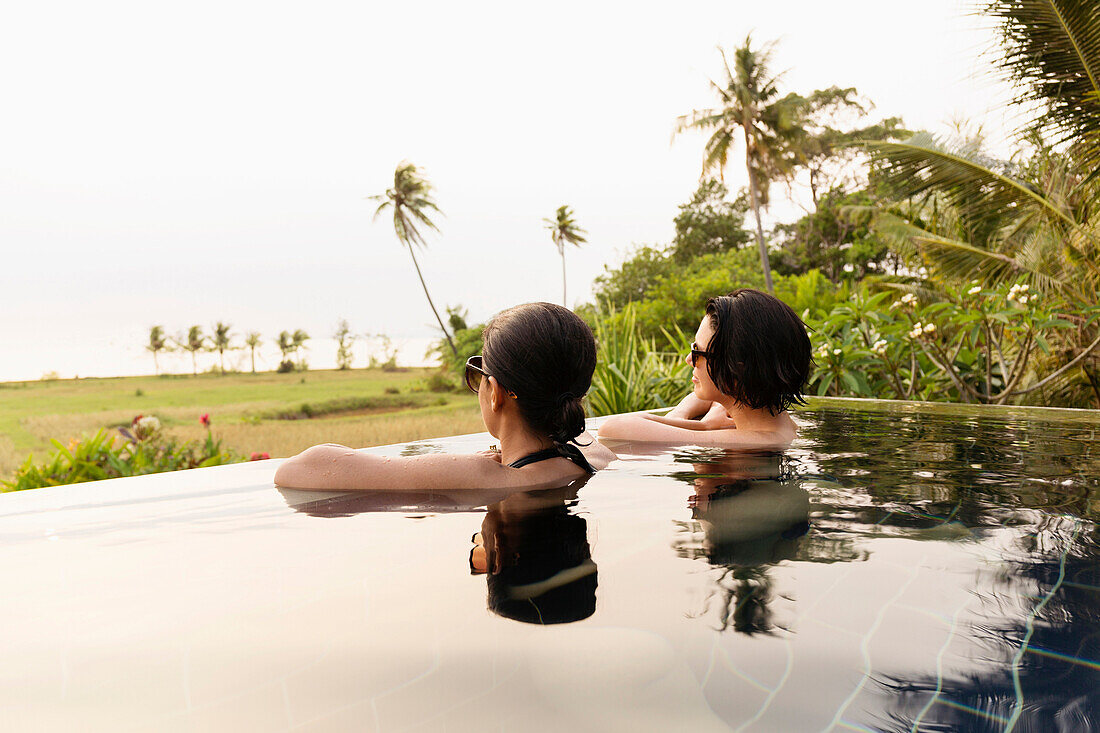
967, 344
631, 373
141, 450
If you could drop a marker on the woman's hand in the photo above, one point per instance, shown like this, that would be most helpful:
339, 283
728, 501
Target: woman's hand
717, 418
493, 454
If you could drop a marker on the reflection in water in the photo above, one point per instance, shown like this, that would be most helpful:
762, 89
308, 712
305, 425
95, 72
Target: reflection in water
532, 547
1042, 672
536, 558
1025, 653
748, 513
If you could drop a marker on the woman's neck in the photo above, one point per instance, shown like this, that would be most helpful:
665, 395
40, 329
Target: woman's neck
759, 419
517, 440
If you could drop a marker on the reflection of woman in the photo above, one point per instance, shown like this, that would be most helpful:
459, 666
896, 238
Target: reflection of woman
537, 365
536, 559
747, 517
750, 361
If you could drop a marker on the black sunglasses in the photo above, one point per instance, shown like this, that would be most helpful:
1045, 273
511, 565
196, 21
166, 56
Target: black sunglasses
696, 353
474, 373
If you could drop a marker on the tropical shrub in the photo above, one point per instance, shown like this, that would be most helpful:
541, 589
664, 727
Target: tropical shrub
969, 344
135, 451
631, 372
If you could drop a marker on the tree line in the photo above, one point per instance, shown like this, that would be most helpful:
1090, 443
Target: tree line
221, 340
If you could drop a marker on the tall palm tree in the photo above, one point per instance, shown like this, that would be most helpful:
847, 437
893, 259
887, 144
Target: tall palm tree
253, 342
750, 109
411, 202
564, 230
157, 342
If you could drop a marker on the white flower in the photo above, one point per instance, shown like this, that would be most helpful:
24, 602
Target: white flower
930, 328
974, 290
908, 299
1023, 299
146, 427
1024, 288
879, 347
837, 352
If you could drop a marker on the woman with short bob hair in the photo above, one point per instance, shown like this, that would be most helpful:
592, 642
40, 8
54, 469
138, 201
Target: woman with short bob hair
750, 361
536, 366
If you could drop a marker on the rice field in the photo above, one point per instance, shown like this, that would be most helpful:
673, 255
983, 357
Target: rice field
33, 413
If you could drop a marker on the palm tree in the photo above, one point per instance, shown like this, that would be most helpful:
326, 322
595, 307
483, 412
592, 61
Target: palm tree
221, 341
157, 342
298, 340
344, 341
411, 201
253, 342
563, 230
194, 343
751, 109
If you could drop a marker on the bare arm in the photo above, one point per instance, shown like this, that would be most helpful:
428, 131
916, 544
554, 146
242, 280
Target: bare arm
689, 408
332, 467
642, 428
339, 468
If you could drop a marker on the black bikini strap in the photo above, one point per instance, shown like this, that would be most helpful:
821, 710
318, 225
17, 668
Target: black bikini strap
561, 450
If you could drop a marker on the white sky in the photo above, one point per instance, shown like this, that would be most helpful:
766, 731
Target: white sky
185, 163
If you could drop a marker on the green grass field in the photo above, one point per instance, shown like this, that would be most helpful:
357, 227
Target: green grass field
378, 408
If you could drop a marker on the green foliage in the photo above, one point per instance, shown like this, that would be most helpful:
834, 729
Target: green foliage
709, 223
676, 294
631, 373
634, 277
466, 342
968, 344
836, 238
141, 450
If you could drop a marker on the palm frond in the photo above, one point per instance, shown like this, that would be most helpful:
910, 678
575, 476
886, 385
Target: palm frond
1052, 51
922, 164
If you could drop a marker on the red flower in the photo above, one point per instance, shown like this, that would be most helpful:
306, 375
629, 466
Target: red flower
259, 456
204, 418
134, 421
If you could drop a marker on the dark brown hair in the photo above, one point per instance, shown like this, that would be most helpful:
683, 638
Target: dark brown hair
760, 353
545, 354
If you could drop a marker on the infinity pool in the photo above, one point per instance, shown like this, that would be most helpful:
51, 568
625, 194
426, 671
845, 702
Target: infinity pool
902, 567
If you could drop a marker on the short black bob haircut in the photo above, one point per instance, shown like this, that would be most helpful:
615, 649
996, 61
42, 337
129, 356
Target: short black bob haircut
760, 353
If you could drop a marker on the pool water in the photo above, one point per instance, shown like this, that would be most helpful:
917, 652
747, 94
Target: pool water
901, 567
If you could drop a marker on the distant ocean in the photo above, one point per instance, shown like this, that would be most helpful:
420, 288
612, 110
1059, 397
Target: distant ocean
105, 355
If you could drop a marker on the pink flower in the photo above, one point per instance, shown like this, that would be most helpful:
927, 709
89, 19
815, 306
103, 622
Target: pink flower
259, 456
204, 419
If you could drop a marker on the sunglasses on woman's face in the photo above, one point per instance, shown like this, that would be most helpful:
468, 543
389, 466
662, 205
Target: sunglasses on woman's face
474, 373
696, 353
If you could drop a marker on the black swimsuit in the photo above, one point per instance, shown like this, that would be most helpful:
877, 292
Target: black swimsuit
561, 450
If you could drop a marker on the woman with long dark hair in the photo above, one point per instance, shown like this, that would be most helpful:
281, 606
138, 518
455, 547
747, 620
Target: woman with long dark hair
535, 368
750, 361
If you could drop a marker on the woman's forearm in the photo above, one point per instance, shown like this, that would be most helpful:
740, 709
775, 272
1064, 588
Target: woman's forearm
689, 407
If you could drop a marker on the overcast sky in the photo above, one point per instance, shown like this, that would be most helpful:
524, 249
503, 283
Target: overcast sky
185, 163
